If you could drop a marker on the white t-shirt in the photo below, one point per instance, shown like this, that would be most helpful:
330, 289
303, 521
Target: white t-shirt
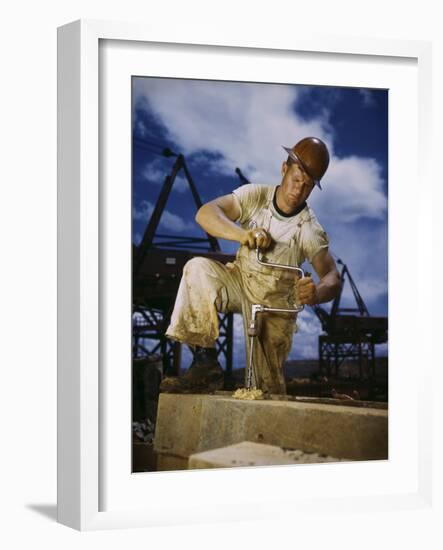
301, 232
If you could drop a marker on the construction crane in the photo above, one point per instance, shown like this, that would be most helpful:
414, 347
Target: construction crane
351, 332
158, 263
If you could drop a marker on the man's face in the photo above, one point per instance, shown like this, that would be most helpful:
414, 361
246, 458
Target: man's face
296, 184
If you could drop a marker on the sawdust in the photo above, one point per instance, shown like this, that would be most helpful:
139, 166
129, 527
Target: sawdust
248, 395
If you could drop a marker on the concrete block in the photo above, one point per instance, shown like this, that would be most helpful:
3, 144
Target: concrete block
177, 429
167, 462
189, 424
247, 453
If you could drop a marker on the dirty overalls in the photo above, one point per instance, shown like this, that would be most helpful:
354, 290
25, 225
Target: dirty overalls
208, 287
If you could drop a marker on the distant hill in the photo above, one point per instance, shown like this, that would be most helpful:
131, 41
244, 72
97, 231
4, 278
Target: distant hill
303, 368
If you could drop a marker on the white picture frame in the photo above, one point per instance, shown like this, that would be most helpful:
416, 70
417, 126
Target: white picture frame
81, 413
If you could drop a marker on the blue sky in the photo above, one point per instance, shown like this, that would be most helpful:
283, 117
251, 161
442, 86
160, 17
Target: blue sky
221, 125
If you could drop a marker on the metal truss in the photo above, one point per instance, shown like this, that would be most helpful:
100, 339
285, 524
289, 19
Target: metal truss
148, 337
334, 351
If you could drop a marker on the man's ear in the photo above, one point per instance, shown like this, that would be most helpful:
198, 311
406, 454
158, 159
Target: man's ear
284, 168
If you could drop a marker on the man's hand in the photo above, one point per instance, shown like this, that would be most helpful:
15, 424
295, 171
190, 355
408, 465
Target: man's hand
256, 238
306, 291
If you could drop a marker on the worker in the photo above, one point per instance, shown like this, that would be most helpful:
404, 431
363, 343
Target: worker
277, 220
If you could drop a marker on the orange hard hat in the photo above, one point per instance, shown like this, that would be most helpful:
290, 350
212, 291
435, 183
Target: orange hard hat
313, 155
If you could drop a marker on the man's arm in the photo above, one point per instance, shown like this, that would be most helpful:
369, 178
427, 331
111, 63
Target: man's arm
217, 218
328, 286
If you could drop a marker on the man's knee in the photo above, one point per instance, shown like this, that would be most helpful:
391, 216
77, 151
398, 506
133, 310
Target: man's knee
198, 266
205, 277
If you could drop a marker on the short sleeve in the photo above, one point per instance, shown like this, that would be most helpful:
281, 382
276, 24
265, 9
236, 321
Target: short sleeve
249, 198
314, 239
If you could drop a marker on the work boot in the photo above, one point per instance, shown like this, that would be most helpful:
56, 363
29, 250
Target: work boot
205, 375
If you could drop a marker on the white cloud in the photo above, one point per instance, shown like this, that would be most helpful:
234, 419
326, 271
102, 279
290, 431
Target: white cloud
168, 220
352, 189
246, 124
140, 128
175, 223
305, 341
155, 172
143, 212
367, 97
363, 248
